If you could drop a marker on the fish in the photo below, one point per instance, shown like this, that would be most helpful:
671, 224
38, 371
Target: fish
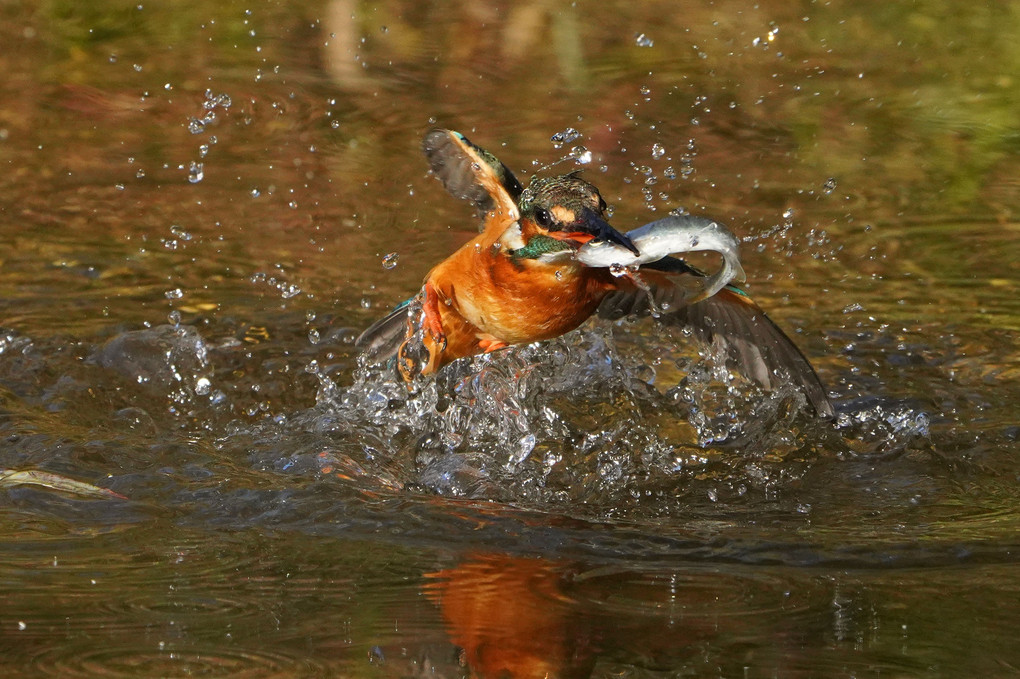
676, 234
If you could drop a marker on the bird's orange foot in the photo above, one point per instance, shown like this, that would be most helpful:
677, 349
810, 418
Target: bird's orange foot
433, 321
488, 346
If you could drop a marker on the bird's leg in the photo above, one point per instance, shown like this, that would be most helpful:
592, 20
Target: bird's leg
433, 322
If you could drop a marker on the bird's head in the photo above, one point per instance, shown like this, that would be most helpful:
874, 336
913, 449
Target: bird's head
567, 209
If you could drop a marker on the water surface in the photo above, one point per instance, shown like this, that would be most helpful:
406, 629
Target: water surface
200, 211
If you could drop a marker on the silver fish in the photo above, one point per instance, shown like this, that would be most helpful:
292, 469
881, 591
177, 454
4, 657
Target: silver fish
672, 235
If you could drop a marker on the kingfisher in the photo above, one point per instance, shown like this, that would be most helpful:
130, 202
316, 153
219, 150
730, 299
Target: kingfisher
523, 279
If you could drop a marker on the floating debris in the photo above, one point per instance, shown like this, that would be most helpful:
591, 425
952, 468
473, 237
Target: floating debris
35, 477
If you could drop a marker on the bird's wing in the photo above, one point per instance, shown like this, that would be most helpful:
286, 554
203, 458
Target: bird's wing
471, 173
380, 341
730, 322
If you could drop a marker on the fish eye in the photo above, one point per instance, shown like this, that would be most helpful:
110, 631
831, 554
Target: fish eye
543, 218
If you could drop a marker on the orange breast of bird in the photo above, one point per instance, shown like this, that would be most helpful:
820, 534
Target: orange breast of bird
487, 297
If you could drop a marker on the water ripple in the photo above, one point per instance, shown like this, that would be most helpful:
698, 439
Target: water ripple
126, 659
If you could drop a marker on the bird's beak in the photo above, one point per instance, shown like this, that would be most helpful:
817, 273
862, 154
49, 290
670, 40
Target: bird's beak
592, 227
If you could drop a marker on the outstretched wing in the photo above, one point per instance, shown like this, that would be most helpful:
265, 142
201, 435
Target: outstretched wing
380, 341
471, 173
730, 322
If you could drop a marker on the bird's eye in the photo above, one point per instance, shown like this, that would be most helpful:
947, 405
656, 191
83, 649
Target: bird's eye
543, 218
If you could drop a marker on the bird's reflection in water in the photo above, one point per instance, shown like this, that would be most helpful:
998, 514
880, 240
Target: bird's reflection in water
517, 617
514, 617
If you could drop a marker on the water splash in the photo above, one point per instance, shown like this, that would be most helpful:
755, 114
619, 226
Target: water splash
574, 421
169, 359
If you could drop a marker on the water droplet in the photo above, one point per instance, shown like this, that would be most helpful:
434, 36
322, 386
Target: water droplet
176, 293
174, 317
526, 444
788, 213
581, 155
390, 260
255, 193
366, 303
335, 124
196, 172
618, 270
203, 150
202, 386
642, 40
658, 151
565, 137
180, 232
646, 90
314, 337
140, 173
829, 186
196, 126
